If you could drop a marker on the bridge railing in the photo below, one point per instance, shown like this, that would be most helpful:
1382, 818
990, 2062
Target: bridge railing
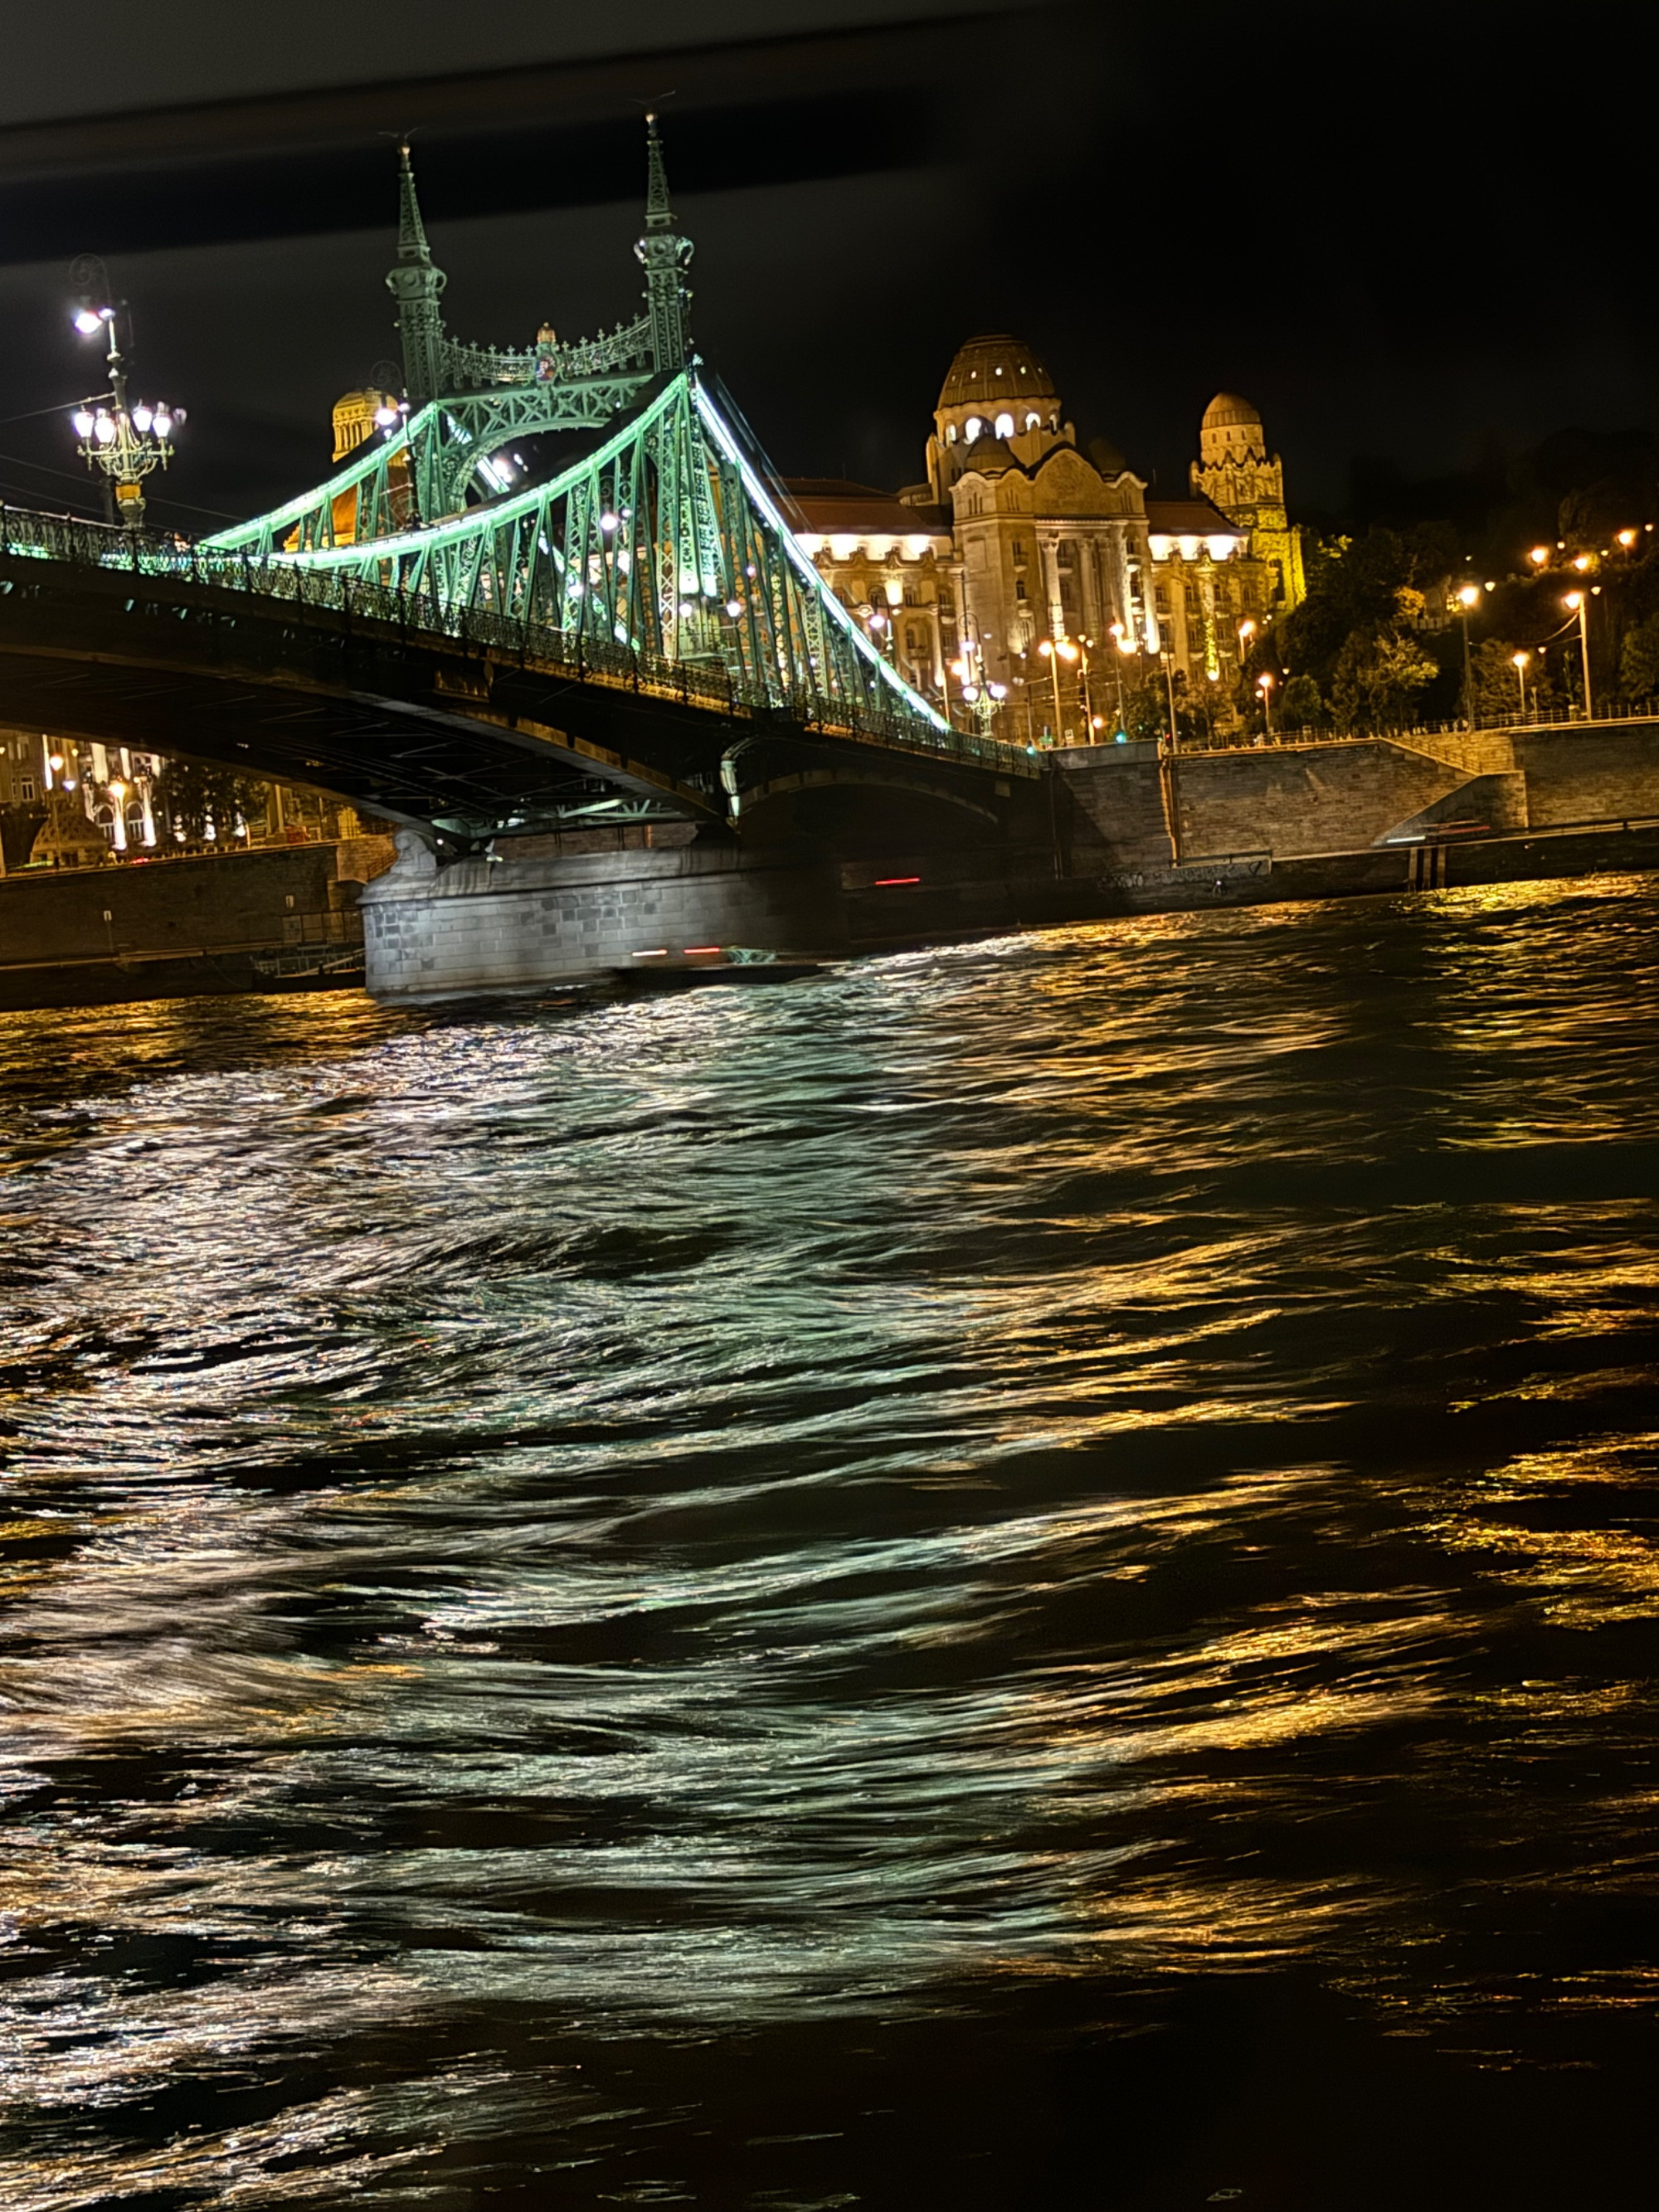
573, 652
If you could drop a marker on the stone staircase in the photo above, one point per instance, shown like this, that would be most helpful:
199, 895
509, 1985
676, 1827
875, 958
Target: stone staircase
1492, 797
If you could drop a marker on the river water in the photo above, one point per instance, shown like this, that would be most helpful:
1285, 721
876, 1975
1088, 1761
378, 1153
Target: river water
1019, 1575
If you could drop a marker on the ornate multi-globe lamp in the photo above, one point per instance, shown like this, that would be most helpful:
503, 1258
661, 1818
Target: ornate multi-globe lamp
127, 441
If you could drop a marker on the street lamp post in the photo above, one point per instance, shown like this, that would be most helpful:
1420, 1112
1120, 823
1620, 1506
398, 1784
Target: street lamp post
1579, 604
1091, 718
1051, 655
1264, 684
127, 441
1468, 598
1169, 688
1520, 660
1119, 638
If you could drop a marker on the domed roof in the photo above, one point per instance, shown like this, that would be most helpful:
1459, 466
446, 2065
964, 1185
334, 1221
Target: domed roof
996, 367
1226, 412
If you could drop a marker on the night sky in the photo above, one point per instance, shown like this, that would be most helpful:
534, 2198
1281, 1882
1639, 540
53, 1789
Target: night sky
1408, 234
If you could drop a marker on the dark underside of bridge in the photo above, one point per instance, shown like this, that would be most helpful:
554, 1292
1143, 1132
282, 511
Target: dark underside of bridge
427, 730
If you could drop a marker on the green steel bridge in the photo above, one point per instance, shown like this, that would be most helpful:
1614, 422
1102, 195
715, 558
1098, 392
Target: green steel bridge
637, 632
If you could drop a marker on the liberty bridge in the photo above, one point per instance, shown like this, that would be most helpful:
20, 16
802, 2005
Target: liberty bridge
633, 637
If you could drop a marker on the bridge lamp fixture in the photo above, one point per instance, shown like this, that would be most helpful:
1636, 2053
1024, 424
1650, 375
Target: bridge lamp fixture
998, 690
734, 608
609, 521
386, 417
83, 421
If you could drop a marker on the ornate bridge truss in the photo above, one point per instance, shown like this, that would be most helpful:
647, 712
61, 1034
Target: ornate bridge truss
667, 540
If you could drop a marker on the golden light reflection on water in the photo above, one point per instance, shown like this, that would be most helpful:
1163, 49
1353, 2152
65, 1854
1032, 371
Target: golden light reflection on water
1052, 1462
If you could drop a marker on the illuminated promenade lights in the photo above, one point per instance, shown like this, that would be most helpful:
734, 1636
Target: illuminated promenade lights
125, 441
1468, 598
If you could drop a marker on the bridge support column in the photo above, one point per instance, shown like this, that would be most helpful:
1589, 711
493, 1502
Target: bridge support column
547, 910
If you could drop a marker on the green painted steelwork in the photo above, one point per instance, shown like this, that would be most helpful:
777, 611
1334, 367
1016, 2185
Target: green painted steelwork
667, 543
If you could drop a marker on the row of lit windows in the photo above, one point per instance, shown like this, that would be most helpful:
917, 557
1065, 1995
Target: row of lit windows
1002, 427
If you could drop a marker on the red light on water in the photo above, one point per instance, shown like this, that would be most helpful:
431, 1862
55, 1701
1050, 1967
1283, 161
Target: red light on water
691, 948
882, 881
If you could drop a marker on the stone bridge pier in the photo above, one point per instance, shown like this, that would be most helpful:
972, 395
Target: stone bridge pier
831, 862
559, 908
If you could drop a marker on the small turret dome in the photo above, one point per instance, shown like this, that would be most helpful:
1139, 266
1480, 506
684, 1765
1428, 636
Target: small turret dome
1230, 426
1227, 411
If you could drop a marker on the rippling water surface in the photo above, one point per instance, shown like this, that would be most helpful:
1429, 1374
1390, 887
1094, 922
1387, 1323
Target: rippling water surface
1020, 1576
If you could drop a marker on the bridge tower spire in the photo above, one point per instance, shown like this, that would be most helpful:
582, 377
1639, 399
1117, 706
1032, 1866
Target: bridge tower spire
417, 285
662, 254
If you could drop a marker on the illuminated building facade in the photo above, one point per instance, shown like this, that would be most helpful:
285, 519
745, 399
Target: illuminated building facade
1035, 557
892, 565
23, 768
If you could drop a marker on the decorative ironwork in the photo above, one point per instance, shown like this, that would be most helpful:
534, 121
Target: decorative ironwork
125, 441
467, 368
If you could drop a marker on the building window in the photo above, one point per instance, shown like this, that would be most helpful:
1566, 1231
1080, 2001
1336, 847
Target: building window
1017, 547
1019, 588
972, 428
950, 434
1005, 426
26, 790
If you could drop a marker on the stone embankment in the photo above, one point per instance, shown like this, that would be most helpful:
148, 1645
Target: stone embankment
282, 918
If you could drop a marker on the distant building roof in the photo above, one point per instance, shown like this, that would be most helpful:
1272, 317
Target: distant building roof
831, 506
1188, 518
